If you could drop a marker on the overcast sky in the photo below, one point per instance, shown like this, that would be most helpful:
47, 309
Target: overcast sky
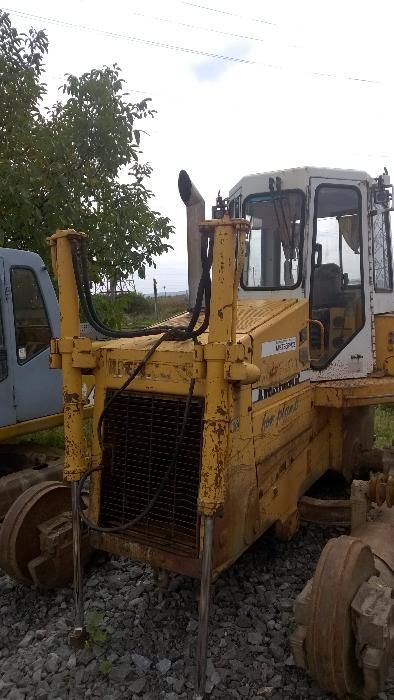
310, 84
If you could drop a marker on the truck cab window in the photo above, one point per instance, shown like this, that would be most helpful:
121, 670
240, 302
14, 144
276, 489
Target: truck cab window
274, 251
336, 290
32, 329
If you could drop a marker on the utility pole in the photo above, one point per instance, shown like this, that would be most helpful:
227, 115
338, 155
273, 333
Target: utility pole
155, 296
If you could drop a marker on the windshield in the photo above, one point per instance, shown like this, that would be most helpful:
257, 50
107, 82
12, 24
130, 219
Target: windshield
274, 251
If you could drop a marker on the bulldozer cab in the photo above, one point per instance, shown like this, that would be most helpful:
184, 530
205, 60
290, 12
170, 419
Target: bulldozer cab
323, 235
29, 318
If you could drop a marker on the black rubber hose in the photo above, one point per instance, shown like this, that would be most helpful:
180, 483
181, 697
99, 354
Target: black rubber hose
154, 499
181, 333
90, 314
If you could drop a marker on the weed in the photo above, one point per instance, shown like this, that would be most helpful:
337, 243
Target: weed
105, 667
94, 628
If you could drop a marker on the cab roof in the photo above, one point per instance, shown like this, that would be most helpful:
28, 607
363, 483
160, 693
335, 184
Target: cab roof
296, 178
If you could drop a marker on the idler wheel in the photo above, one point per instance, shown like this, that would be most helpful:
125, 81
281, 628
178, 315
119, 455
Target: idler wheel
344, 565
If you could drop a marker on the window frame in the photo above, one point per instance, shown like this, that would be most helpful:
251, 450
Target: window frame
332, 185
35, 276
383, 290
298, 283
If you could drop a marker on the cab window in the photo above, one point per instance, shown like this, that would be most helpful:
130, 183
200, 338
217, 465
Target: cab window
336, 290
274, 250
32, 328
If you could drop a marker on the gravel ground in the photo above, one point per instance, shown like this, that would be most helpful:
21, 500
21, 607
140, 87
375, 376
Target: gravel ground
145, 638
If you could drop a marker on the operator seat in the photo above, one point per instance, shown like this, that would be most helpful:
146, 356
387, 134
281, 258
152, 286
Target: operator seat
326, 294
327, 286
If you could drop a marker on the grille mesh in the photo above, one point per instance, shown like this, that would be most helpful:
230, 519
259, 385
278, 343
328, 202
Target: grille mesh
140, 433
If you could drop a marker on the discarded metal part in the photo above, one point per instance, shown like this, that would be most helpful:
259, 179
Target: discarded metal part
78, 637
345, 564
373, 622
324, 512
35, 539
378, 534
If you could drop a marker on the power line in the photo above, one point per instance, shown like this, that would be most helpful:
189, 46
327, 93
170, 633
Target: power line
198, 27
127, 37
231, 14
183, 49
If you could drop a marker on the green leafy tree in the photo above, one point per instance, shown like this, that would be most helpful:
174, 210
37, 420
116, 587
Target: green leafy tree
76, 164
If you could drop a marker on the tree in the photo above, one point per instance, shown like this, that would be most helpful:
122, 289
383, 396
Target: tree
76, 164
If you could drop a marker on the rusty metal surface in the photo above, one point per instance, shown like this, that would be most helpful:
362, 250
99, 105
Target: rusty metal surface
378, 534
13, 485
345, 564
344, 393
20, 532
381, 490
122, 546
373, 614
324, 512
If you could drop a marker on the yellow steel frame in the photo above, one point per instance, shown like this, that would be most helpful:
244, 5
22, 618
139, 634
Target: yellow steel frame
258, 455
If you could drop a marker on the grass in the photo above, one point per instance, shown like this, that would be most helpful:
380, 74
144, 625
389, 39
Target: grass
55, 437
166, 307
384, 426
47, 438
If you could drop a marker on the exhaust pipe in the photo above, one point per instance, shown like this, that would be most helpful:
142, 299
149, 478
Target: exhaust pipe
195, 212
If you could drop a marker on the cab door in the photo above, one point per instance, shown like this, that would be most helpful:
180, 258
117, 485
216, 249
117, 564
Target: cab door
37, 388
7, 397
338, 283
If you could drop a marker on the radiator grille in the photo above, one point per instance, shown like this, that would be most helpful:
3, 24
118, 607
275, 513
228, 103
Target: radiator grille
140, 434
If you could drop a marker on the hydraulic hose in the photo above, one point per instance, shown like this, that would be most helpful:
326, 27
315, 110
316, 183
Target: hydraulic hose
79, 258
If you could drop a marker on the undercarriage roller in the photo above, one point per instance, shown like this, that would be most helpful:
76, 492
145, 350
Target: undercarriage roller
345, 614
35, 537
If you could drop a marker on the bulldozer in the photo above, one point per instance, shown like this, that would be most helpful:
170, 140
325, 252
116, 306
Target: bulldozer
210, 427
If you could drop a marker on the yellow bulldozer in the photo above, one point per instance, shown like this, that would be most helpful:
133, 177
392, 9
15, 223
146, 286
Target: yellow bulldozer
209, 428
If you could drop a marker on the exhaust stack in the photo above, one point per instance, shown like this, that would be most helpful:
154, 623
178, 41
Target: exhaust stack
195, 213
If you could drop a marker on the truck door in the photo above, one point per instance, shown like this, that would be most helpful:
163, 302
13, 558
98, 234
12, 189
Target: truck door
7, 401
339, 280
37, 388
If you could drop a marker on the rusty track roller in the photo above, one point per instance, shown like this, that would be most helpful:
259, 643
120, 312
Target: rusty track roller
324, 512
35, 538
345, 614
